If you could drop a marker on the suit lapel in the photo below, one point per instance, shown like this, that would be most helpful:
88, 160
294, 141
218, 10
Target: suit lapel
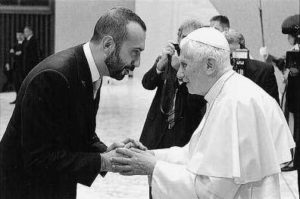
85, 88
84, 74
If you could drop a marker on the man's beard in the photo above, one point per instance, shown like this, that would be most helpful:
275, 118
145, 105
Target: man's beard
116, 67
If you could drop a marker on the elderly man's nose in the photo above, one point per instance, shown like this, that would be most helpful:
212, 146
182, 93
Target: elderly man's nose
180, 73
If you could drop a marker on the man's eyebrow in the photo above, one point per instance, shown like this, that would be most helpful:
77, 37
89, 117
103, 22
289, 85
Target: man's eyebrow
140, 49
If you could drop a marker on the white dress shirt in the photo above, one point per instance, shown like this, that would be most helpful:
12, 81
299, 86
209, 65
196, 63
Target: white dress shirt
236, 151
95, 74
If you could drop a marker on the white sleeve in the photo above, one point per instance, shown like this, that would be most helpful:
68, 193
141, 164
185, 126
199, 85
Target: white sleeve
176, 155
171, 181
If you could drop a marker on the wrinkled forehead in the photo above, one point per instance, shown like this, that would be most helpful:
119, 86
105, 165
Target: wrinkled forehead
187, 54
184, 49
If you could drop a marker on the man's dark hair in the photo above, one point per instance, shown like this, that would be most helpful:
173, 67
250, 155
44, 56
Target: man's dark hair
29, 27
224, 21
114, 23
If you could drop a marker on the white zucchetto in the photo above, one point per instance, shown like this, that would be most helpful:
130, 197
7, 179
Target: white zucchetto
209, 36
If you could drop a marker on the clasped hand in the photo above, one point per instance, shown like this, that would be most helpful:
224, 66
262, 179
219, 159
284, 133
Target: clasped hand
106, 157
128, 158
133, 161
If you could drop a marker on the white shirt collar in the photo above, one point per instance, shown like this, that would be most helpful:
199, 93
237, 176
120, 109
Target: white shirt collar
29, 37
296, 47
91, 62
217, 87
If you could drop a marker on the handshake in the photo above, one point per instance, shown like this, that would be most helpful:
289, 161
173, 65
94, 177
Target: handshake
129, 157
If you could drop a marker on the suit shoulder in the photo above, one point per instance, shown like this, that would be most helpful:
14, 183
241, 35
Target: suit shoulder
63, 62
262, 65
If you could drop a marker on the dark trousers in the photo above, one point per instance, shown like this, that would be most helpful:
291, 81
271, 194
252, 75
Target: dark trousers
18, 79
298, 173
150, 189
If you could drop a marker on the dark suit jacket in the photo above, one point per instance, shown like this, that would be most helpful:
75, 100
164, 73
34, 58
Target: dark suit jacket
189, 110
18, 59
50, 143
293, 86
31, 54
263, 75
18, 69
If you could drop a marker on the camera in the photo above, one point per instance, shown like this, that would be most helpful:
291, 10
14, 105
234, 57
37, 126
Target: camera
238, 60
293, 59
293, 30
177, 48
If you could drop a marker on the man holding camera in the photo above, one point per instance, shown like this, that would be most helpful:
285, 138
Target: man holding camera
174, 114
259, 72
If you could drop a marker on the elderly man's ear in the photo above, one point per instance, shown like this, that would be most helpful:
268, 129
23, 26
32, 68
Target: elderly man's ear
211, 67
108, 45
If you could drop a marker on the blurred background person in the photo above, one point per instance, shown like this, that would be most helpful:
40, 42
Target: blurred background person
220, 22
174, 114
17, 54
31, 50
8, 72
290, 102
259, 72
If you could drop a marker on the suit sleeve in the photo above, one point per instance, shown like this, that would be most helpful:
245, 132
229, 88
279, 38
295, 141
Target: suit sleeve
271, 83
95, 143
152, 79
45, 113
279, 62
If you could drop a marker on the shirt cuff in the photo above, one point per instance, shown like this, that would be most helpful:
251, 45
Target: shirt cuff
176, 155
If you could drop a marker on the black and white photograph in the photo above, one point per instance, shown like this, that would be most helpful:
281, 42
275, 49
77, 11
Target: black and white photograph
149, 99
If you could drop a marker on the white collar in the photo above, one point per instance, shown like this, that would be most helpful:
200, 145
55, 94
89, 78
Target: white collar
91, 62
217, 87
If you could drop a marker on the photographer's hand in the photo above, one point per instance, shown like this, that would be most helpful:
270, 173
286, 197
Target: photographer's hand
294, 72
263, 51
169, 49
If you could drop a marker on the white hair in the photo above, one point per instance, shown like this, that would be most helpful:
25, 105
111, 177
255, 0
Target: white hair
199, 51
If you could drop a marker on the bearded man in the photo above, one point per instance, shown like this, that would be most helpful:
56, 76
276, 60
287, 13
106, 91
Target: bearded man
50, 143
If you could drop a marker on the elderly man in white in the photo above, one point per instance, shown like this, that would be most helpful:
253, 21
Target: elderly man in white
238, 148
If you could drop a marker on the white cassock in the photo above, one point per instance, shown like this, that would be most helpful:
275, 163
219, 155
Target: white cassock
236, 151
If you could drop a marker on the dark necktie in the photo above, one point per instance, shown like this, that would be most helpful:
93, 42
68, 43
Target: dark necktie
96, 86
171, 114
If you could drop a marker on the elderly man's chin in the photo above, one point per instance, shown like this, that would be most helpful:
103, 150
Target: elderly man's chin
192, 90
